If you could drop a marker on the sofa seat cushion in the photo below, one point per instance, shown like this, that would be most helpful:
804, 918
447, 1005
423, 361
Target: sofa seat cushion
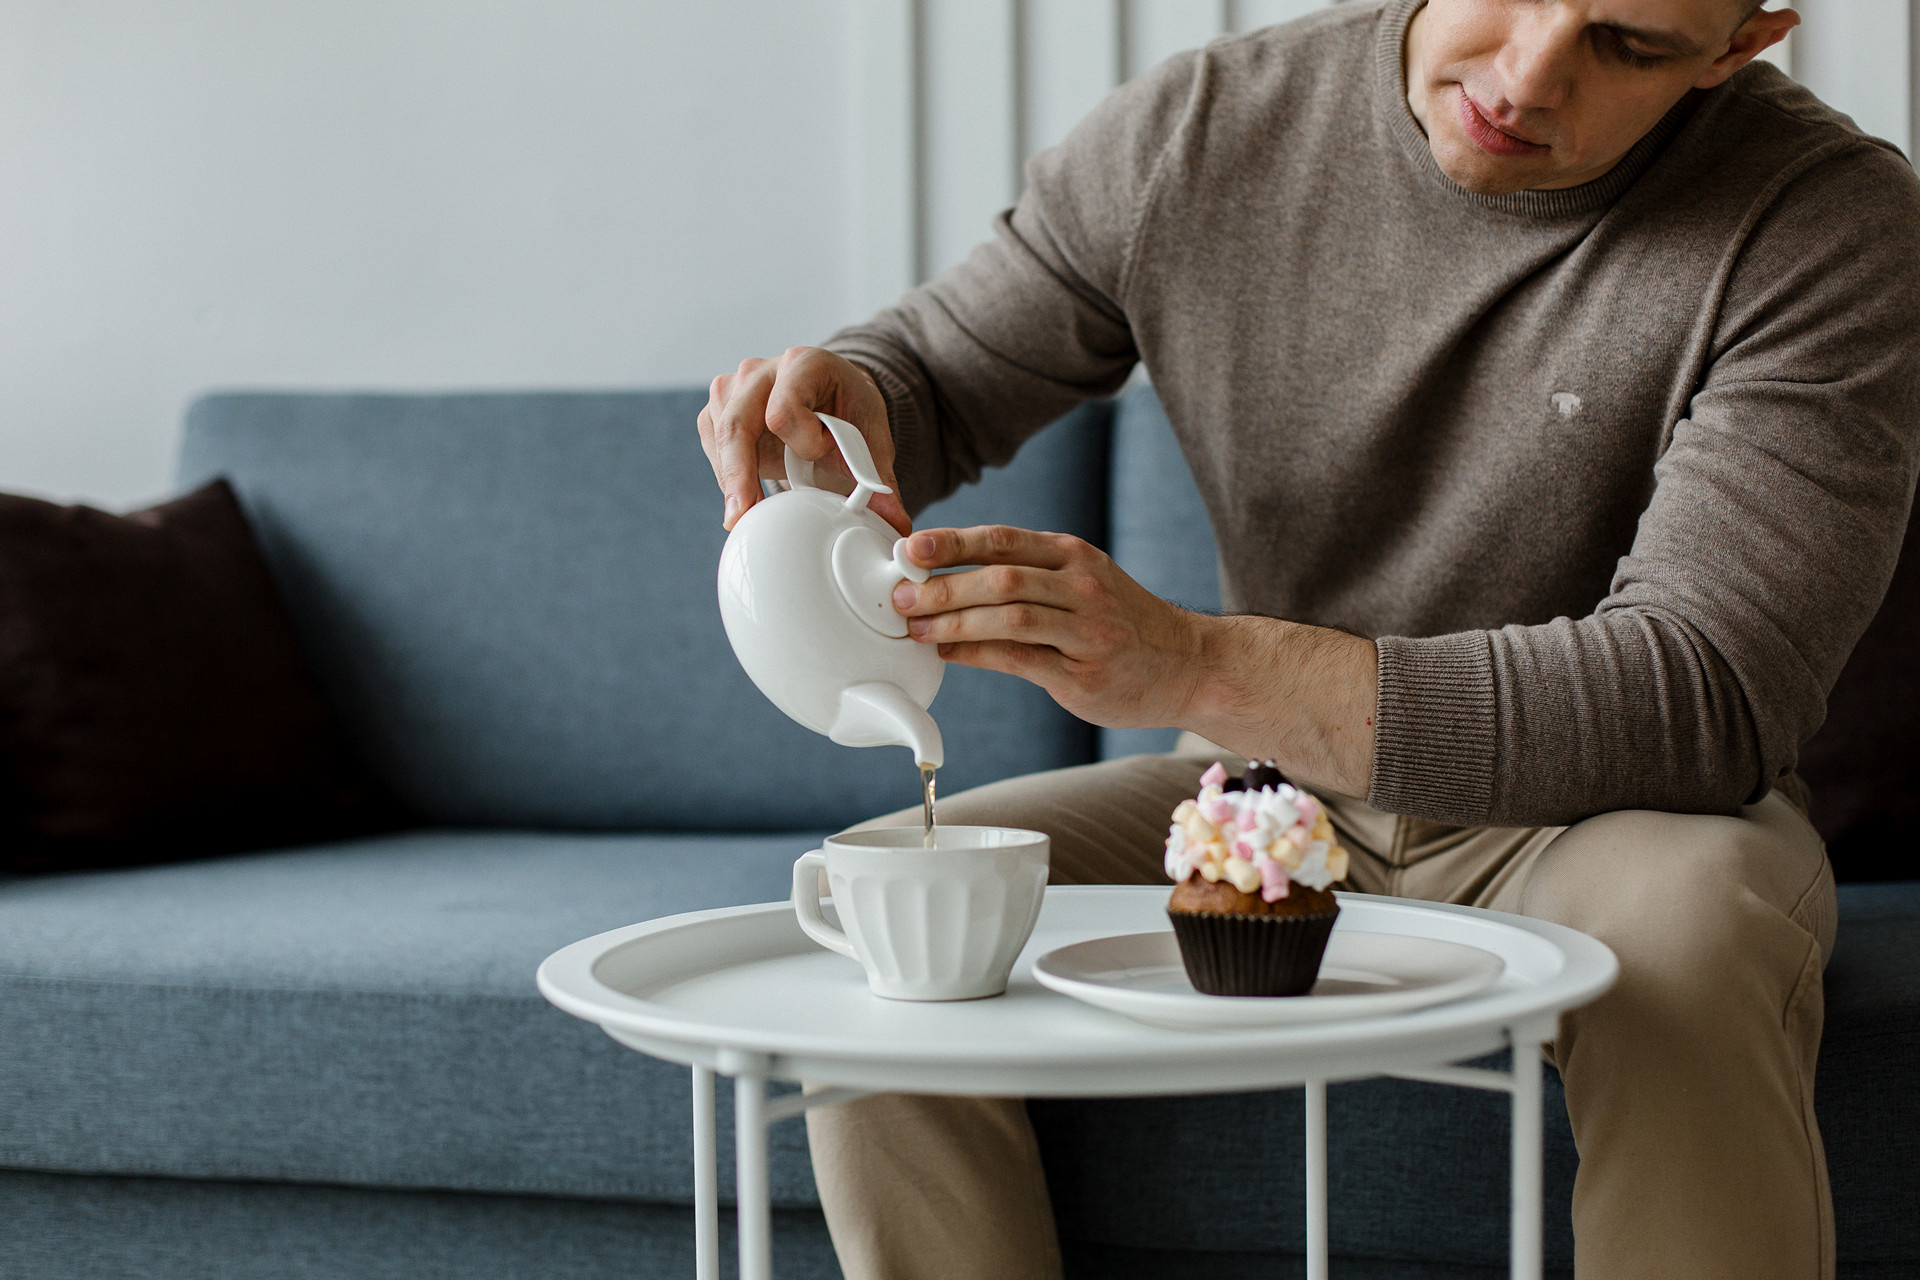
360, 1013
364, 1014
61, 1227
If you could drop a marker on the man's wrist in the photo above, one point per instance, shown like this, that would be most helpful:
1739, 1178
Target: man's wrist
1301, 695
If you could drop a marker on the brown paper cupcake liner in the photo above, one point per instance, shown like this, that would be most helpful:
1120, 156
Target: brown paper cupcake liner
1252, 955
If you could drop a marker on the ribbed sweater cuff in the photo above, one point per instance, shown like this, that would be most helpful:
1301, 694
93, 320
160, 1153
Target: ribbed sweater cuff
1433, 728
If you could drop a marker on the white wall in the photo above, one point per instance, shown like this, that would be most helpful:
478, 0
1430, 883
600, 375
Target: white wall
428, 193
1859, 55
516, 193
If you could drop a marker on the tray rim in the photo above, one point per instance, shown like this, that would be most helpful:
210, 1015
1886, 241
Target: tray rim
1226, 1059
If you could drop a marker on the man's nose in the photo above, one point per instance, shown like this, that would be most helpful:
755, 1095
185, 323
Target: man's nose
1536, 64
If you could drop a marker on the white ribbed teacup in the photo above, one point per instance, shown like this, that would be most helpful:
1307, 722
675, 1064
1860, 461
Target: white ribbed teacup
927, 924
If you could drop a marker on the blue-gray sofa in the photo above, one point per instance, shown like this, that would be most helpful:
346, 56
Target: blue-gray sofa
331, 1061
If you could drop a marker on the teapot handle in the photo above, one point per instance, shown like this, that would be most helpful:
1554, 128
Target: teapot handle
853, 447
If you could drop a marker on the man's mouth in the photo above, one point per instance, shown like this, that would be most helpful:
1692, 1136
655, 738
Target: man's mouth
1490, 137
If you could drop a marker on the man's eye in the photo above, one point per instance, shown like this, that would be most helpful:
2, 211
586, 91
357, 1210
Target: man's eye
1614, 45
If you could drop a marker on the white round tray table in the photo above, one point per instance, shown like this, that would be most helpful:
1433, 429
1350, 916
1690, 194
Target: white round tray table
742, 992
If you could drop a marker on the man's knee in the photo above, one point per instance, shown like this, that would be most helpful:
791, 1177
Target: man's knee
1697, 907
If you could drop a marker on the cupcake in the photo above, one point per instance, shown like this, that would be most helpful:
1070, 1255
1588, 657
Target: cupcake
1252, 860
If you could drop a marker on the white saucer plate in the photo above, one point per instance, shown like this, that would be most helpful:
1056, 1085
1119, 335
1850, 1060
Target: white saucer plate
1364, 975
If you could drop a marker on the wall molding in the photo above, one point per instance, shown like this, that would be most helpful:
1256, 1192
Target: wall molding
886, 146
954, 95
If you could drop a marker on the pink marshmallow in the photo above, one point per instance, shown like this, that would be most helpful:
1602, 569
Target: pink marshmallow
1273, 881
1215, 776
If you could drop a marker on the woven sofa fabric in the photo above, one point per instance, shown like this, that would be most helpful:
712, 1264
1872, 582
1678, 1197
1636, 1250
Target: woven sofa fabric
364, 1015
361, 1014
1867, 1088
1158, 531
510, 601
61, 1227
68, 1228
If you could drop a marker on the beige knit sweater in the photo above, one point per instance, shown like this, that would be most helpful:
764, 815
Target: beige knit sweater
1615, 475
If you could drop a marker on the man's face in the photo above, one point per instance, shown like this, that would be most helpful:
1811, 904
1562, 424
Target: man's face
1540, 94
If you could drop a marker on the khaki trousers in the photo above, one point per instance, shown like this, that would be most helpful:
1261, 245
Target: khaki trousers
1689, 1085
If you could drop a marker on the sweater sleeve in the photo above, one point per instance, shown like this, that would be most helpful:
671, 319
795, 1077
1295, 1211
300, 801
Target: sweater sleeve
1032, 323
1775, 521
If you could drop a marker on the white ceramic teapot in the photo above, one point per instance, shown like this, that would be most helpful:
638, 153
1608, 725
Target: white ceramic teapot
806, 593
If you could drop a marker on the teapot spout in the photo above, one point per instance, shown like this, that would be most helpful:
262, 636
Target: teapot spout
877, 714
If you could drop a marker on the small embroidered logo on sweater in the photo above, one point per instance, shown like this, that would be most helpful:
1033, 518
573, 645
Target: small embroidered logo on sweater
1566, 404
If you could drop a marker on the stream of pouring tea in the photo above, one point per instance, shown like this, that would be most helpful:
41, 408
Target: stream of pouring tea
926, 802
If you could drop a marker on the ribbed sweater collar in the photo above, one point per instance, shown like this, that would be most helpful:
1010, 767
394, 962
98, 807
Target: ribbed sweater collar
1390, 94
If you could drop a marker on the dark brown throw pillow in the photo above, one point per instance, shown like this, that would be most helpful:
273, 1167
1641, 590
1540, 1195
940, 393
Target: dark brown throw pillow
154, 702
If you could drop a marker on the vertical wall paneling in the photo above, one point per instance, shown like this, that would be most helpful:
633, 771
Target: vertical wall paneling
970, 95
1157, 29
1251, 15
1857, 55
886, 255
1072, 57
955, 94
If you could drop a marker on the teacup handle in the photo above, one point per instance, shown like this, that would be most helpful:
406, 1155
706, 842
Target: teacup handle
806, 905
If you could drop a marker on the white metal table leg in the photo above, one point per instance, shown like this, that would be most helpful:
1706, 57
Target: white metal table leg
755, 1212
706, 1179
1316, 1179
1527, 1207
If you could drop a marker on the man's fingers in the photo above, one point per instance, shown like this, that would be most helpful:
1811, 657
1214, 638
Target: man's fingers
767, 406
991, 544
1022, 623
813, 382
790, 409
707, 444
1036, 663
773, 457
717, 392
889, 508
737, 429
995, 584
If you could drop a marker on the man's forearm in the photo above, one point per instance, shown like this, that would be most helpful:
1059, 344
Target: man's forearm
1302, 696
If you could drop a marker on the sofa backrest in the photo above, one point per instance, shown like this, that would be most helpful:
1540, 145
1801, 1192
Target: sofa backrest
1158, 531
510, 601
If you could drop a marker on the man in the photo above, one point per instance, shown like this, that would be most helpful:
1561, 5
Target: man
1554, 392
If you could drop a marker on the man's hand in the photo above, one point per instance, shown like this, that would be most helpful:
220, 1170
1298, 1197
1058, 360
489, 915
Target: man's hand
1057, 611
754, 414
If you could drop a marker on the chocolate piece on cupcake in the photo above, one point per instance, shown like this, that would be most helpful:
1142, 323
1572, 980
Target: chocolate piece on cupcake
1252, 905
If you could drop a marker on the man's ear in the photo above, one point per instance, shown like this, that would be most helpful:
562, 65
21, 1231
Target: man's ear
1756, 35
